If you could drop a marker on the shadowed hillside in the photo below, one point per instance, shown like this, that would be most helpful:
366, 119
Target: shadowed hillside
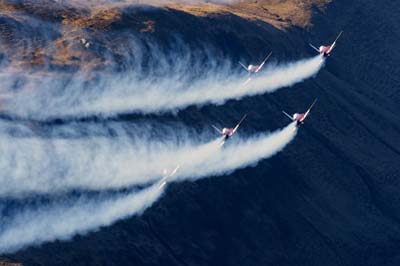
330, 198
55, 28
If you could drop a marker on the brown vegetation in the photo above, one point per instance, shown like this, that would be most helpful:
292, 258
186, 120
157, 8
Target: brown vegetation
99, 13
280, 13
4, 263
75, 20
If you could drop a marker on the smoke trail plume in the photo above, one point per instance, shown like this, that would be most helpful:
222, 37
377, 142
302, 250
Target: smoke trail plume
167, 88
240, 154
63, 221
31, 164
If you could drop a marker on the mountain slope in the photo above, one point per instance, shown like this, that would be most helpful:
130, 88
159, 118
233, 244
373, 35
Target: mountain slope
330, 198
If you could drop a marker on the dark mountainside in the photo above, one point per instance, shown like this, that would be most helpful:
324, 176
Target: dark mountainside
330, 198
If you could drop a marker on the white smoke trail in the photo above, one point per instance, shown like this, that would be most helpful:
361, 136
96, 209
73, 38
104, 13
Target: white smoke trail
57, 164
51, 165
240, 154
174, 90
63, 221
215, 89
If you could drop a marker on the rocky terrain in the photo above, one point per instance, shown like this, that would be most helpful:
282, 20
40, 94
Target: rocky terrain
6, 263
58, 26
330, 198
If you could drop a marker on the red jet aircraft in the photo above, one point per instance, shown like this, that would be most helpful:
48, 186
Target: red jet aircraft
228, 132
326, 50
255, 68
299, 118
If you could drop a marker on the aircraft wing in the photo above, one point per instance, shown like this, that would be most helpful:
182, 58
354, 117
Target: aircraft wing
174, 171
243, 66
247, 81
164, 180
337, 38
315, 48
291, 118
222, 143
262, 64
238, 125
217, 129
334, 43
309, 109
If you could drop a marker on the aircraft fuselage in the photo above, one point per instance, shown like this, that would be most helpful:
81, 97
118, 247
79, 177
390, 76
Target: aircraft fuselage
227, 132
299, 118
325, 50
252, 68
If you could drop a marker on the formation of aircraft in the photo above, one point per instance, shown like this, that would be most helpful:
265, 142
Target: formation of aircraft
299, 118
228, 132
326, 50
